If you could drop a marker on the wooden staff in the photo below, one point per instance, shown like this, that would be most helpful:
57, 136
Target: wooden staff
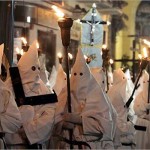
65, 24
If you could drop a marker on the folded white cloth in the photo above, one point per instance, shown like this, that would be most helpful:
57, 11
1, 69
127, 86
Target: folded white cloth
27, 113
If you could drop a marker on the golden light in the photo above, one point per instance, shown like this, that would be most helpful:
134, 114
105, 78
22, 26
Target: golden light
140, 56
94, 5
108, 23
85, 57
104, 46
59, 55
21, 52
58, 12
37, 45
111, 61
24, 40
146, 42
17, 50
145, 52
70, 56
78, 21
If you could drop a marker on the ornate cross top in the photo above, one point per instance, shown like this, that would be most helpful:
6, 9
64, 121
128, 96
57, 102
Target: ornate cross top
93, 23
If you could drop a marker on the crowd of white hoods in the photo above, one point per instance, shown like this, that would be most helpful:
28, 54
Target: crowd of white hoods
98, 119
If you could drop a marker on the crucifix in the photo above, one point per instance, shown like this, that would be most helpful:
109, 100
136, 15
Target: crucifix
93, 23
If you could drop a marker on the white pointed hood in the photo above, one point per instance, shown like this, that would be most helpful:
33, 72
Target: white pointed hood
29, 65
118, 76
60, 80
141, 81
89, 99
1, 55
145, 85
118, 93
99, 75
79, 75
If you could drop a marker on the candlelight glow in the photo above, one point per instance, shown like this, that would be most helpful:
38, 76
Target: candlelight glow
21, 52
28, 19
85, 57
108, 23
111, 61
78, 21
94, 5
17, 50
145, 52
58, 12
24, 40
146, 42
140, 56
37, 45
104, 46
70, 56
59, 55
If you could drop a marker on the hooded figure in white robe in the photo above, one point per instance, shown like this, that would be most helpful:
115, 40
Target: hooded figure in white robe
91, 118
99, 75
37, 120
140, 84
118, 95
10, 118
60, 80
142, 108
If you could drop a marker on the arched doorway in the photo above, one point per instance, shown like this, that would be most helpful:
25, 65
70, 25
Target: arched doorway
142, 24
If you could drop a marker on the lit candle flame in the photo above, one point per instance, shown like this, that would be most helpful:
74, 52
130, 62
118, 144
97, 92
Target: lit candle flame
59, 55
111, 61
94, 5
145, 52
21, 52
108, 23
37, 45
104, 46
85, 57
70, 56
146, 42
58, 12
17, 50
140, 56
24, 40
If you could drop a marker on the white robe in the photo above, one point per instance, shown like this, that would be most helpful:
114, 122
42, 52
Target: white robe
118, 97
96, 119
10, 118
39, 128
142, 137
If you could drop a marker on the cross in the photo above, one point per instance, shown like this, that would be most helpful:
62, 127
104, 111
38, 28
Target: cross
93, 23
